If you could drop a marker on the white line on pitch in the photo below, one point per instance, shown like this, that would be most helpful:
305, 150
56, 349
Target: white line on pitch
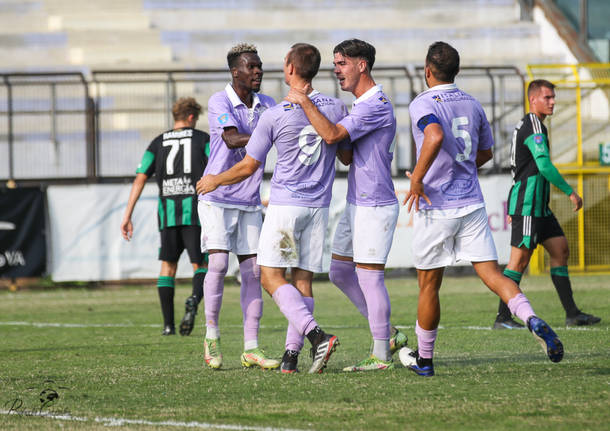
124, 421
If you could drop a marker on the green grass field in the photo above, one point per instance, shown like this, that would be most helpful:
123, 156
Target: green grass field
101, 353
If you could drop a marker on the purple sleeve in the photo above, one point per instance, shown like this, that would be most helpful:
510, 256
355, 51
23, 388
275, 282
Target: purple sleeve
363, 119
486, 140
419, 109
261, 139
220, 114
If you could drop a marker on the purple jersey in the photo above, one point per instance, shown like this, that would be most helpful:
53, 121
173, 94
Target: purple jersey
451, 181
225, 109
371, 126
305, 167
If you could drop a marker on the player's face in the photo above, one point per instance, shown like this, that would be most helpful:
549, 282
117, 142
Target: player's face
347, 71
249, 72
542, 102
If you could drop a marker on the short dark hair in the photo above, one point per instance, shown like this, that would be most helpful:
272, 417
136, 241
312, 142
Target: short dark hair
239, 49
357, 48
306, 60
537, 84
444, 61
184, 107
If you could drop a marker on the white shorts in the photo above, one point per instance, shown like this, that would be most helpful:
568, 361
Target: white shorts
439, 242
293, 237
366, 233
229, 229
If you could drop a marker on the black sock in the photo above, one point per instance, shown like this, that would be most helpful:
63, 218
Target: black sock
561, 280
198, 283
315, 335
165, 287
503, 310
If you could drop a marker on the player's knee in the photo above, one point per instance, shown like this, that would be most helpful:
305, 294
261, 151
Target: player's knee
336, 273
218, 263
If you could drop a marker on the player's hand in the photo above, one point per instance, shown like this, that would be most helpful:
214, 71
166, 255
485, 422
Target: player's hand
576, 201
415, 194
127, 229
206, 184
509, 219
297, 95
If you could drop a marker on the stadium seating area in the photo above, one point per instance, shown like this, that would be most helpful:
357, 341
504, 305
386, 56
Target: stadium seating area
68, 35
189, 33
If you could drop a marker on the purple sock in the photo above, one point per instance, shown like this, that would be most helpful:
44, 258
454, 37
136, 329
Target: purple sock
521, 307
342, 273
425, 341
251, 299
294, 339
213, 286
377, 301
292, 306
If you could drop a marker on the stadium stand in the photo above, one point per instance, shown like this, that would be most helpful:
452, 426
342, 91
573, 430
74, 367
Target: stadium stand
97, 38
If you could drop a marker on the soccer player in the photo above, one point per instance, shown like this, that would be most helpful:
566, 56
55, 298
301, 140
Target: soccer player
365, 231
532, 221
297, 215
177, 158
231, 216
453, 138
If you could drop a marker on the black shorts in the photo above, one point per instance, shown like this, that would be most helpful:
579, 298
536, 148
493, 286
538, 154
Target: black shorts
175, 239
528, 231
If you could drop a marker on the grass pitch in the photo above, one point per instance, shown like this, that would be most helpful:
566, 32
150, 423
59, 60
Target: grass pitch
88, 359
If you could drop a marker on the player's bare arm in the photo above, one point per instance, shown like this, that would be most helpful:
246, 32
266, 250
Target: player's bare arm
233, 139
238, 172
136, 190
330, 133
433, 140
483, 156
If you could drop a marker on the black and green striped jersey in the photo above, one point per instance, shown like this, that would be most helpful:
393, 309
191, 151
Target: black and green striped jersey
177, 158
532, 170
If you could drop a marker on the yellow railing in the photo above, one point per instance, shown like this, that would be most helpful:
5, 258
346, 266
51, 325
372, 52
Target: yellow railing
587, 87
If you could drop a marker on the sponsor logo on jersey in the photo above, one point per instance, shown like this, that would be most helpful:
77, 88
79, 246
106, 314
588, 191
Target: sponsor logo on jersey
437, 98
224, 118
457, 187
288, 106
539, 143
177, 186
383, 100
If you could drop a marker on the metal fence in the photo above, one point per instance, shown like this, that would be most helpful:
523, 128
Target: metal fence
65, 126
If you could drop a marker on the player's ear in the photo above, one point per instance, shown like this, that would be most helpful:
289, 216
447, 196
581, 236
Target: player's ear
362, 65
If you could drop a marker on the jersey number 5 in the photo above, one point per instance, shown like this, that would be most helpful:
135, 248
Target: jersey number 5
461, 133
173, 152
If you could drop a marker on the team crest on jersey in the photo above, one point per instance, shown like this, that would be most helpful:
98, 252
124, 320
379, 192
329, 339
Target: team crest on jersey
222, 119
383, 100
437, 98
288, 106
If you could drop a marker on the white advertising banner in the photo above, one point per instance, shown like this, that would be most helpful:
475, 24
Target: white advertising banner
86, 244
